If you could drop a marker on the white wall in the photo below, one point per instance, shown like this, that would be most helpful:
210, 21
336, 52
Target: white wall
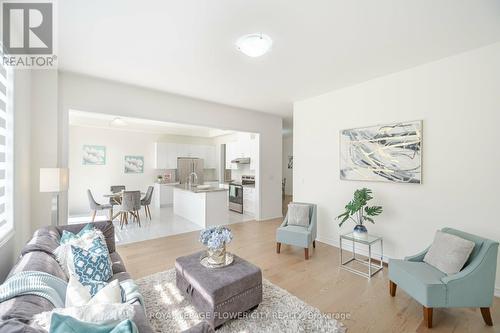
287, 173
458, 100
96, 95
98, 178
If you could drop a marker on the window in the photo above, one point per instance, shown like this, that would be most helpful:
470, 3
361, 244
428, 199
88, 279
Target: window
6, 151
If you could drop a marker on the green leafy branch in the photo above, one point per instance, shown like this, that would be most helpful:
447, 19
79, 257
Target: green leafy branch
357, 209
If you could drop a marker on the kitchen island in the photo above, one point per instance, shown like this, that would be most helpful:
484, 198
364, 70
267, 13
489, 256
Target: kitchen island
202, 206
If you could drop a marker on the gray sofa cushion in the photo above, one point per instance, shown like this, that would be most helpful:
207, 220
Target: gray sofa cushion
117, 262
41, 242
22, 308
38, 261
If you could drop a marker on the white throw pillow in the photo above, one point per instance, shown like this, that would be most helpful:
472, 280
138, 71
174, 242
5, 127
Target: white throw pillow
79, 295
298, 214
448, 252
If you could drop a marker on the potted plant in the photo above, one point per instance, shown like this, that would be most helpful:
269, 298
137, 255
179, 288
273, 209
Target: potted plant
359, 212
215, 239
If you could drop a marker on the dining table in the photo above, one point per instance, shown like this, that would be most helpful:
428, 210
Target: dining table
117, 198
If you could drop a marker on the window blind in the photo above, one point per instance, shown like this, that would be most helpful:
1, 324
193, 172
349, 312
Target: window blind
6, 150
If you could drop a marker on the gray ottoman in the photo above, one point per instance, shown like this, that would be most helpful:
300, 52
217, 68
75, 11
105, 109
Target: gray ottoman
219, 294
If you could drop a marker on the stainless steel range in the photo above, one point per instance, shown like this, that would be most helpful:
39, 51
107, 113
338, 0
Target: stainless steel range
236, 193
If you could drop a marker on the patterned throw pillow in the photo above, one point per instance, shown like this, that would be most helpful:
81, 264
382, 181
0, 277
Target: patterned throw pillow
93, 286
92, 264
68, 235
64, 253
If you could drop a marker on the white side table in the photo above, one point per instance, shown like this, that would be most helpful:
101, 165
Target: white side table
368, 240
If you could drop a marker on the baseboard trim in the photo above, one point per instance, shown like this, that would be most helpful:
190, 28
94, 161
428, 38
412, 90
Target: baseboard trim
263, 219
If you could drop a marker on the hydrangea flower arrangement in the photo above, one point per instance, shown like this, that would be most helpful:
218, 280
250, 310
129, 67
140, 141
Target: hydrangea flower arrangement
216, 237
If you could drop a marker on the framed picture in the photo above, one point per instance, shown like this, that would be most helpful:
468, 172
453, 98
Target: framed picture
387, 153
94, 155
134, 164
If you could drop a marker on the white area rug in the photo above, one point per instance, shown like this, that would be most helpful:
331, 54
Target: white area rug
169, 311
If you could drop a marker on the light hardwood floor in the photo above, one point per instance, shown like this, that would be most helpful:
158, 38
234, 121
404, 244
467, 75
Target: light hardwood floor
317, 281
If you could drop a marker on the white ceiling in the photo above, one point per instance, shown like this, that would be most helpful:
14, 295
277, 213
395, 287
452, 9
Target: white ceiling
187, 46
100, 120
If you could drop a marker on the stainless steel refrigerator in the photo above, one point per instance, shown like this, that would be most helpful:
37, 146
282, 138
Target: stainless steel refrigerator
186, 165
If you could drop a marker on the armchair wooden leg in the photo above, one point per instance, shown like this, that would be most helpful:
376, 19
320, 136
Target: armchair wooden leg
487, 316
149, 212
314, 244
93, 215
428, 317
392, 288
278, 247
306, 253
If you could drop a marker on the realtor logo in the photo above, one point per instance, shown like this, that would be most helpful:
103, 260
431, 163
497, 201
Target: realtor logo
28, 34
27, 28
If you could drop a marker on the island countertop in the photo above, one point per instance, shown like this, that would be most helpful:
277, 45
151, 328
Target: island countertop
194, 189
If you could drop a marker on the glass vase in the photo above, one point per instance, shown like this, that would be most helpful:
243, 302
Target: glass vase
217, 256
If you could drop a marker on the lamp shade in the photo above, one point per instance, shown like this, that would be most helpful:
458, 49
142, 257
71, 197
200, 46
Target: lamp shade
54, 179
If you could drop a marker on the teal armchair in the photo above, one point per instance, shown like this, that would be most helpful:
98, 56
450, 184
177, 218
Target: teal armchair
472, 287
298, 235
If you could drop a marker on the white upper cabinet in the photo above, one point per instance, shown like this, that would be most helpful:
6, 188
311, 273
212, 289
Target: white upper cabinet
210, 157
245, 146
166, 154
171, 155
230, 155
160, 156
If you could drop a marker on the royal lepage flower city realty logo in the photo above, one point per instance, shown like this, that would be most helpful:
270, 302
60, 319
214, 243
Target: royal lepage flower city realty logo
28, 30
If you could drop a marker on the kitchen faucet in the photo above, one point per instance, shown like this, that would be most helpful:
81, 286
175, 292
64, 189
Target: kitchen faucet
190, 183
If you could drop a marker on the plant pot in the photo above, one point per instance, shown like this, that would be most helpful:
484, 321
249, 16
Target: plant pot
217, 256
360, 230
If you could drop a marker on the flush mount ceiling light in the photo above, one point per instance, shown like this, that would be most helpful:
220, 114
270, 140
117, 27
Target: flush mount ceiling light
118, 122
254, 45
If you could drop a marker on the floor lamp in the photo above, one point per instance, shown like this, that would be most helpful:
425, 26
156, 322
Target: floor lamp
55, 181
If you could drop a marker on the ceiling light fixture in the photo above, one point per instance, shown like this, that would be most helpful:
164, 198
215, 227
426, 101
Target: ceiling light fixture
118, 122
254, 45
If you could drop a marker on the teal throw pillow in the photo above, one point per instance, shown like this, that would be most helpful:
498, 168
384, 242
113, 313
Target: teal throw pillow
66, 324
68, 235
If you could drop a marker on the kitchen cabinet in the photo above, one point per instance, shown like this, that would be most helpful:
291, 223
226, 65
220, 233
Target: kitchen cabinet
166, 154
249, 200
231, 155
163, 194
246, 145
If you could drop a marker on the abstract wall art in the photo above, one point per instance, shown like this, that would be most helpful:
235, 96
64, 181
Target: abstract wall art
94, 155
388, 153
290, 162
134, 164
